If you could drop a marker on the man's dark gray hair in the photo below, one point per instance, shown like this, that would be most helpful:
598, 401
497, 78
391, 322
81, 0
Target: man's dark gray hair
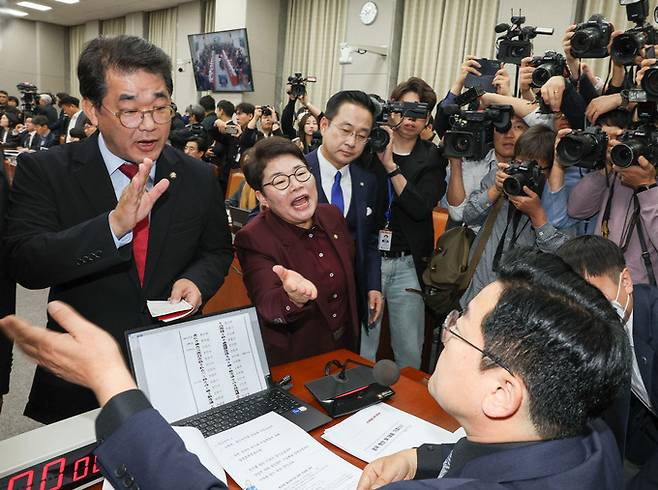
123, 54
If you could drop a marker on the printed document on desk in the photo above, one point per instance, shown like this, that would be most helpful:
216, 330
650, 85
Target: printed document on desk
380, 430
270, 452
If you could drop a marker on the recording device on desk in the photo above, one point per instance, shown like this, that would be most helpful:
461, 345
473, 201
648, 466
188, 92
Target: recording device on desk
515, 44
523, 174
471, 133
298, 83
591, 38
584, 148
350, 390
379, 138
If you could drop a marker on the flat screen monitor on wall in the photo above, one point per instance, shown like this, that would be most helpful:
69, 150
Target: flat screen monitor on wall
221, 61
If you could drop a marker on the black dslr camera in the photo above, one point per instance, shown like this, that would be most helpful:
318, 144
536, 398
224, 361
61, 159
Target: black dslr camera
584, 148
641, 140
552, 64
627, 46
515, 44
523, 174
379, 138
29, 97
266, 110
591, 38
471, 133
298, 84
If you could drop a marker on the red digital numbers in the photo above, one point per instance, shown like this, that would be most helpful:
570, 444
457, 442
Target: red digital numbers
56, 473
26, 485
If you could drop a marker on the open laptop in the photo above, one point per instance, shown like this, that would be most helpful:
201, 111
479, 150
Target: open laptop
239, 216
212, 373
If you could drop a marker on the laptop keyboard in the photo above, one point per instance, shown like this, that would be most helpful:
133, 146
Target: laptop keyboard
239, 411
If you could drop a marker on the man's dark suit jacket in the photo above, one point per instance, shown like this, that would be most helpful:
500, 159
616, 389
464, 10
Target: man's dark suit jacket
292, 333
156, 458
7, 287
631, 438
48, 141
362, 220
577, 463
59, 237
25, 141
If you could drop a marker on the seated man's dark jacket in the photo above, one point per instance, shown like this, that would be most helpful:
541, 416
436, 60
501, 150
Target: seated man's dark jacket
58, 236
137, 443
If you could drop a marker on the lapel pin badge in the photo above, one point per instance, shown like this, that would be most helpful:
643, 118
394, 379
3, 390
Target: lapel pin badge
361, 184
335, 236
172, 176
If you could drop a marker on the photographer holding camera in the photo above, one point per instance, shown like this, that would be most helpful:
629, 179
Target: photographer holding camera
297, 92
513, 191
269, 126
193, 129
413, 173
626, 200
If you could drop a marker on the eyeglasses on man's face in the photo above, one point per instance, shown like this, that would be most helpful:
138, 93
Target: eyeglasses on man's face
132, 118
448, 330
282, 181
345, 132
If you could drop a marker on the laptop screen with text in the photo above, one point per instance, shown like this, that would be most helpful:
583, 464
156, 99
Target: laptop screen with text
190, 367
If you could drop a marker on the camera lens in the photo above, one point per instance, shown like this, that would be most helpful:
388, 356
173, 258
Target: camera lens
625, 48
379, 140
513, 185
626, 154
462, 143
582, 41
573, 148
650, 82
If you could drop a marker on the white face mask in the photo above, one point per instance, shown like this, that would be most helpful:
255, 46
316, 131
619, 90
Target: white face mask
621, 311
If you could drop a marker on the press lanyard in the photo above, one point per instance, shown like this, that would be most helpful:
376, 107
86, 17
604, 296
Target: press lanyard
391, 196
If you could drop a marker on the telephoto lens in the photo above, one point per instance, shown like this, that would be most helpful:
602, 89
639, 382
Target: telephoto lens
626, 47
583, 148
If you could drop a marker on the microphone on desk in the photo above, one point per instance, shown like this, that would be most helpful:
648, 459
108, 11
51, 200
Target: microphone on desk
350, 390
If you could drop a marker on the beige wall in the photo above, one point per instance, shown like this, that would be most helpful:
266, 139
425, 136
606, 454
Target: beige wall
371, 72
34, 52
189, 22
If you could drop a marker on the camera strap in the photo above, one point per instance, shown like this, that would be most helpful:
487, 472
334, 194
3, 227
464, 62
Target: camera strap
513, 216
605, 228
646, 256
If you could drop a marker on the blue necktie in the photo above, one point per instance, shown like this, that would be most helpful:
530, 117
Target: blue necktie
337, 194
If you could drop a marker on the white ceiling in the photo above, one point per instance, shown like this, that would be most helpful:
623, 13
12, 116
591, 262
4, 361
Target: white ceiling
86, 10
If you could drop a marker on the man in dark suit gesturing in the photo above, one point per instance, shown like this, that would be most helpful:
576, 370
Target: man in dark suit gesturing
119, 218
341, 181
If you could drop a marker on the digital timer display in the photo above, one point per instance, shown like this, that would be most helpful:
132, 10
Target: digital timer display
63, 472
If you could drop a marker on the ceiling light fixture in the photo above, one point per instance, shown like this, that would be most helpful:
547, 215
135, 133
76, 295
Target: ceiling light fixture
68, 1
12, 12
34, 6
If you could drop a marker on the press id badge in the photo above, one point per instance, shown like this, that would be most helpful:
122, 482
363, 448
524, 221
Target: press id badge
385, 239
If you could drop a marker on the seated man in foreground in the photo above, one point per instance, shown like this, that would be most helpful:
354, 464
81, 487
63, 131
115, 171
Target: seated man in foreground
553, 356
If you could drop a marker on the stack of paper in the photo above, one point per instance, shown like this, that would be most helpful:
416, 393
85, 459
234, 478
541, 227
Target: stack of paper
166, 311
381, 429
270, 452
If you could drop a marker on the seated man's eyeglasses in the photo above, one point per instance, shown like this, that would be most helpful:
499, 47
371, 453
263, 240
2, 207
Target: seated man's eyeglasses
132, 118
448, 330
282, 181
